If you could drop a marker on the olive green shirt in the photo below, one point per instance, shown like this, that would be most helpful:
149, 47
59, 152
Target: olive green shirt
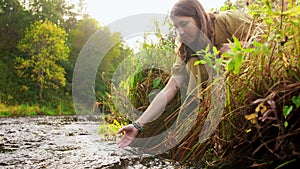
227, 24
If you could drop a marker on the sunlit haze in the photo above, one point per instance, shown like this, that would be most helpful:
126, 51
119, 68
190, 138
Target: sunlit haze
107, 11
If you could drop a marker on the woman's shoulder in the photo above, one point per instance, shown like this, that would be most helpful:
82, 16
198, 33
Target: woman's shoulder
232, 18
230, 14
229, 23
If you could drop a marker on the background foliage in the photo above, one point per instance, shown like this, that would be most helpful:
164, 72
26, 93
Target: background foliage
40, 41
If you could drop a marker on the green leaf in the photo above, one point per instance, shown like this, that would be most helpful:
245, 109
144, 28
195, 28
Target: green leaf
286, 124
296, 101
231, 65
287, 110
202, 62
237, 43
156, 82
238, 63
248, 50
284, 164
215, 50
257, 44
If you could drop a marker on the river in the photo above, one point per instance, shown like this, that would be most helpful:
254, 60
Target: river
66, 142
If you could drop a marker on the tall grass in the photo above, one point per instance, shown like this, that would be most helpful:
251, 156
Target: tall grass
261, 121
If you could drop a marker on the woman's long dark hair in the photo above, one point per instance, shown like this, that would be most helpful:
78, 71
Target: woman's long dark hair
204, 20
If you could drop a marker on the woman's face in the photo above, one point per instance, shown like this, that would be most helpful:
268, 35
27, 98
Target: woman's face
186, 28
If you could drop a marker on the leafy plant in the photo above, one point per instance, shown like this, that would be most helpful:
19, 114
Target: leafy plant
296, 101
109, 130
287, 110
211, 59
157, 83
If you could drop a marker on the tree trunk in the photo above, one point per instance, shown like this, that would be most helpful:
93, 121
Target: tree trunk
40, 93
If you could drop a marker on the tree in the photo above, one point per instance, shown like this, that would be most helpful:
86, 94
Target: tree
43, 46
78, 36
83, 30
52, 10
59, 12
13, 19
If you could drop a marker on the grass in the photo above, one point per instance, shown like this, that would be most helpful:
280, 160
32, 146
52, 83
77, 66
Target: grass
30, 110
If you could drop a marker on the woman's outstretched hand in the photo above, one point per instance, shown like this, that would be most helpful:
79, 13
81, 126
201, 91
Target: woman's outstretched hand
129, 132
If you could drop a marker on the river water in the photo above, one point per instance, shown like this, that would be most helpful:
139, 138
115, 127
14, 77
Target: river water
66, 142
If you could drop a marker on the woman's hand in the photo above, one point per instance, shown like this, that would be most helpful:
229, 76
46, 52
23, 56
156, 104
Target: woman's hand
130, 133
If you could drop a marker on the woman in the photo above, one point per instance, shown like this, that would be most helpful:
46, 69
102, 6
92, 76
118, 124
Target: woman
196, 29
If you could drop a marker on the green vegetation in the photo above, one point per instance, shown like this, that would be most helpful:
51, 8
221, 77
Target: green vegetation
261, 121
32, 110
40, 42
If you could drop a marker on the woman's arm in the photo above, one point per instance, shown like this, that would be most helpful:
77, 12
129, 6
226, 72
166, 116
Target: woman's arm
159, 103
155, 108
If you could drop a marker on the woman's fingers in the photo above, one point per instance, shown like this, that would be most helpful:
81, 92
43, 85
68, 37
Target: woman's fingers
121, 130
129, 133
125, 141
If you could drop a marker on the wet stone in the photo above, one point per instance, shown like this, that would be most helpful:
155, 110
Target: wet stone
65, 142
